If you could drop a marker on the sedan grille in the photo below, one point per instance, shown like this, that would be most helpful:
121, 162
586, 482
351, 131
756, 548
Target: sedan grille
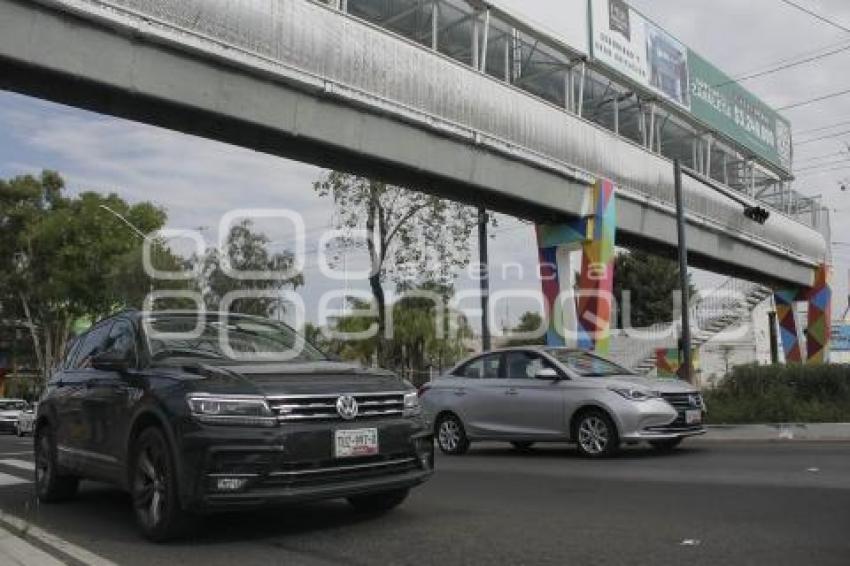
683, 401
323, 407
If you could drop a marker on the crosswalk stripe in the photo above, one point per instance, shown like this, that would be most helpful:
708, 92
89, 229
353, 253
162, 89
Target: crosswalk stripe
20, 464
8, 479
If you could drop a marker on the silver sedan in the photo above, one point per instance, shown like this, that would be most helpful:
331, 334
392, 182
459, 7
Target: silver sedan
540, 394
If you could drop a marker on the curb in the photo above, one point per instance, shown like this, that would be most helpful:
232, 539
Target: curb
811, 432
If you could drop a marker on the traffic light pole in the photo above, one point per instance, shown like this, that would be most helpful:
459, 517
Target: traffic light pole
484, 276
686, 365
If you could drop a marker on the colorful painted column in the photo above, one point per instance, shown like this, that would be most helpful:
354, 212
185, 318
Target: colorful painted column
668, 362
820, 318
582, 321
819, 298
786, 316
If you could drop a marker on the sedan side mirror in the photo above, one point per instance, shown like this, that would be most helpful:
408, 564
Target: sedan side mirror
547, 374
112, 360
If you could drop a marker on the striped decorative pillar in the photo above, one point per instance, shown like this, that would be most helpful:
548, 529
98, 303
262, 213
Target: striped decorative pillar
786, 316
820, 317
581, 319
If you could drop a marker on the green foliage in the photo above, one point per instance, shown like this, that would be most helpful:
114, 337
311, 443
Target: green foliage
782, 394
652, 282
530, 322
63, 258
247, 251
424, 334
412, 237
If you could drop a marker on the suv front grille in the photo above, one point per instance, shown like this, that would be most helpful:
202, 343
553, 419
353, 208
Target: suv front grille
323, 407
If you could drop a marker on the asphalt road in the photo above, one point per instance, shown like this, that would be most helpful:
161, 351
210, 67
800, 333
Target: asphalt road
707, 504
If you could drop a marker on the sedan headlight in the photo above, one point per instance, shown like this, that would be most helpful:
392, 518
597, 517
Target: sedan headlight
231, 410
635, 394
411, 404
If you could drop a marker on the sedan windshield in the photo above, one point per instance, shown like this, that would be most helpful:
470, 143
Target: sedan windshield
232, 338
587, 365
13, 405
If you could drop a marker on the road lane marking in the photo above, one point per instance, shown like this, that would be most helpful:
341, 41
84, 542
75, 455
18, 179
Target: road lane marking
20, 464
69, 549
7, 479
15, 551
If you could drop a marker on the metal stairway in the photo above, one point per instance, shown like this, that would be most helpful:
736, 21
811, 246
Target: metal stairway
720, 310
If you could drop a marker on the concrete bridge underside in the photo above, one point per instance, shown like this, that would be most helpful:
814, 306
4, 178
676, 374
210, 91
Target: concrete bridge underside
153, 70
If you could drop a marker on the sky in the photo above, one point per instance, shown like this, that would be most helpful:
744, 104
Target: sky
198, 180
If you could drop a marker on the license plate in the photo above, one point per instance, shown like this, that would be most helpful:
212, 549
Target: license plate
354, 443
693, 417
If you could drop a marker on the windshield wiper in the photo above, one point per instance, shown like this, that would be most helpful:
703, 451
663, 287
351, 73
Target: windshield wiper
185, 352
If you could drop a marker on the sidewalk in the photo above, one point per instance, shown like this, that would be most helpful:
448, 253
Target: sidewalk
779, 432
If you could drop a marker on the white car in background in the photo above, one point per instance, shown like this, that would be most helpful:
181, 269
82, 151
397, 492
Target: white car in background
10, 413
26, 421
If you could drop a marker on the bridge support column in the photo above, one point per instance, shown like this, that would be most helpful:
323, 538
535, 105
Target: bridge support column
820, 317
786, 315
819, 325
580, 317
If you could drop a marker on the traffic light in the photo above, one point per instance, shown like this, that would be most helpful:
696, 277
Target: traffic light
756, 214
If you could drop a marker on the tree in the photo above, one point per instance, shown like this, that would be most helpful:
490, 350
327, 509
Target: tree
61, 257
412, 236
530, 322
426, 334
248, 252
652, 281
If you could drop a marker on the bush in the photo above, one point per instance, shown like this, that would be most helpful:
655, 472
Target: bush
782, 394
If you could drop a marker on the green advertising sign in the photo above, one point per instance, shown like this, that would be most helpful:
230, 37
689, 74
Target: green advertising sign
727, 107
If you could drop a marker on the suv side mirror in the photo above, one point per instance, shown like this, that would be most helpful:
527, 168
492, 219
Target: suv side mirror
112, 360
547, 373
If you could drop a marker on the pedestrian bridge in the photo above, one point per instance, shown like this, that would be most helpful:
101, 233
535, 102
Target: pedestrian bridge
317, 83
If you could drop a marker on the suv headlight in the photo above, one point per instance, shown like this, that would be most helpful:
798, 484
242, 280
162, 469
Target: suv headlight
411, 404
231, 410
635, 394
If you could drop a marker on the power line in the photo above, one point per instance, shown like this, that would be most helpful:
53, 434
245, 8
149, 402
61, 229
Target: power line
821, 157
817, 16
824, 137
813, 100
819, 171
822, 165
779, 68
822, 128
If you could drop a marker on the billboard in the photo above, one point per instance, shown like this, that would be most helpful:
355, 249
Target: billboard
630, 44
729, 108
635, 47
840, 337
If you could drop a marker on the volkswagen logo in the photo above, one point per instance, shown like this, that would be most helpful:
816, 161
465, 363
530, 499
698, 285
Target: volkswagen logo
346, 406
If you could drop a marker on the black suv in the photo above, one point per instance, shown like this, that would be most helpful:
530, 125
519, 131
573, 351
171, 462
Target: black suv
199, 412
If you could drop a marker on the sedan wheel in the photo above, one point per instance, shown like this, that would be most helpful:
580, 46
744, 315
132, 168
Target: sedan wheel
596, 435
451, 436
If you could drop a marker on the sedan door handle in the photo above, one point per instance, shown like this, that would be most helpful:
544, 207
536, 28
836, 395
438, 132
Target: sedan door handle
460, 392
511, 391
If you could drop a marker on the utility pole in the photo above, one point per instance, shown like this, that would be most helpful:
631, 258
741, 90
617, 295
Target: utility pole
686, 365
484, 276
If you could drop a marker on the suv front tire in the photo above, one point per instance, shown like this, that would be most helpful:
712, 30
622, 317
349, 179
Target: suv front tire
153, 488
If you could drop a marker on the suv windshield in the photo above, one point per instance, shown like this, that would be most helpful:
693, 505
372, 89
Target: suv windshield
227, 338
587, 365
